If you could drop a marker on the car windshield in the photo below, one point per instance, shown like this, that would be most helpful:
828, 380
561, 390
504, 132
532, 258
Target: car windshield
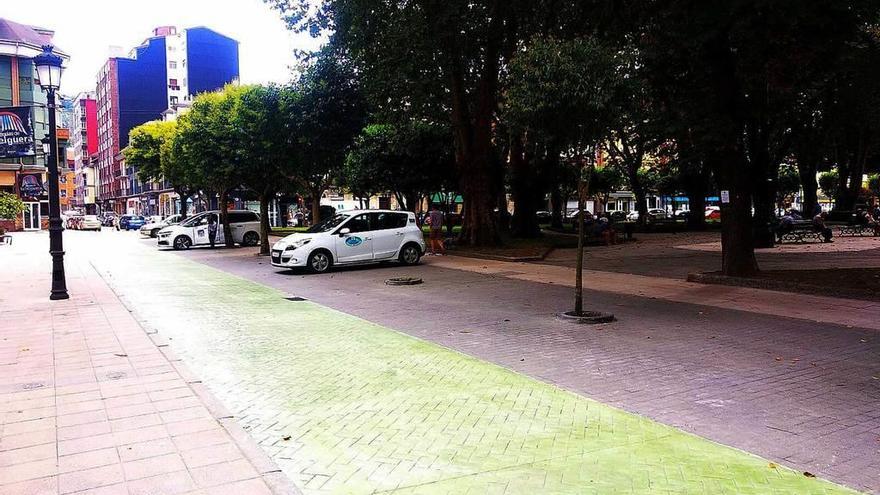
192, 221
329, 224
91, 218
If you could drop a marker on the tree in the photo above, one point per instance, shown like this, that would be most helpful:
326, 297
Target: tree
424, 57
731, 72
829, 182
265, 157
410, 160
635, 132
323, 118
150, 151
874, 185
208, 141
788, 184
854, 114
604, 181
562, 91
10, 206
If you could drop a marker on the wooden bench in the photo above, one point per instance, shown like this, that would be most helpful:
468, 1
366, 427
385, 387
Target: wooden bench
6, 239
858, 230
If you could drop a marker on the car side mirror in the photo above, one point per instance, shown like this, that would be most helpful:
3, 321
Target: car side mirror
344, 231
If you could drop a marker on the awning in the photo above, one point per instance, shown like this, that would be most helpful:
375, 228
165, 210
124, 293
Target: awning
7, 178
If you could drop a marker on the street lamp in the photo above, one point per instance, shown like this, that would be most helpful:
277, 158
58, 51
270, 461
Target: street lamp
49, 71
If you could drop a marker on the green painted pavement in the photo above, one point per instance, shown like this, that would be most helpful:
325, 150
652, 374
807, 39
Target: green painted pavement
368, 409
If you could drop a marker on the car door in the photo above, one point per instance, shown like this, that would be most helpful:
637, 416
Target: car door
388, 234
357, 245
200, 231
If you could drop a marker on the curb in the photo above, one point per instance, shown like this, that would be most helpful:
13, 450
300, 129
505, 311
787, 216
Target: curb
780, 286
275, 479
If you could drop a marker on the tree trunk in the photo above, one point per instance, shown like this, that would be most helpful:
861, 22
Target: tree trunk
480, 227
556, 204
316, 205
764, 194
583, 192
525, 191
696, 219
807, 170
224, 219
737, 234
184, 199
264, 222
641, 197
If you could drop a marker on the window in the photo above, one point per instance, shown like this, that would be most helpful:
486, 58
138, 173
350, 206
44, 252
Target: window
241, 217
173, 100
172, 82
64, 193
172, 64
360, 223
62, 179
384, 221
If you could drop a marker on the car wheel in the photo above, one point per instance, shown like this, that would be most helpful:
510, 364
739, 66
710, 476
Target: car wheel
250, 239
410, 254
320, 261
182, 242
154, 233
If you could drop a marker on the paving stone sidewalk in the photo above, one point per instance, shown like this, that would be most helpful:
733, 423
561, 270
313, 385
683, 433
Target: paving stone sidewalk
348, 406
90, 405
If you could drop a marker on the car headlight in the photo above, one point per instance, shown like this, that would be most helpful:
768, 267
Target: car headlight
297, 244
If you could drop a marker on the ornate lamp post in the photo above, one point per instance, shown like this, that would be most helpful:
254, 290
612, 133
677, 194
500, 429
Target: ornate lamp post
49, 71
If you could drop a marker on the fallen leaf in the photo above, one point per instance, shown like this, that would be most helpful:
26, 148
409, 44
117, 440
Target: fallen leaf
772, 465
120, 355
25, 349
809, 474
523, 359
864, 341
779, 358
285, 437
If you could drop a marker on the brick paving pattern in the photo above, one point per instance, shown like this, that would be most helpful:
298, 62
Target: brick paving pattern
89, 404
794, 390
344, 405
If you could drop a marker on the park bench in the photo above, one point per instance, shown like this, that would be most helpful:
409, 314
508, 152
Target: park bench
858, 230
6, 239
801, 231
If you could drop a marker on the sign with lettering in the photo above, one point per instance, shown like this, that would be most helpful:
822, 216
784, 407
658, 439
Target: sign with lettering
16, 132
30, 185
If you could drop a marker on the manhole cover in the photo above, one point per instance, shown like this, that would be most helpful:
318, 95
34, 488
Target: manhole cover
116, 375
404, 281
33, 385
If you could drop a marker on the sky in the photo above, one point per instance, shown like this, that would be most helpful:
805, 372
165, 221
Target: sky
85, 29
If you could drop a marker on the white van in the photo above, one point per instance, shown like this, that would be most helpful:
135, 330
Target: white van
193, 231
353, 237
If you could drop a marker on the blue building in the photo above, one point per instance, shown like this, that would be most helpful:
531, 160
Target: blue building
161, 75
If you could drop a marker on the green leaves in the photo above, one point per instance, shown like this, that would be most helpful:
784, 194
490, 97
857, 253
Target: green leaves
10, 206
563, 90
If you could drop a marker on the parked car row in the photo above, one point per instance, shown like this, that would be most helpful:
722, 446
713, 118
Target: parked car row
347, 238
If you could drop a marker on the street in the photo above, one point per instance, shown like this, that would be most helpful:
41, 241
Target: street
494, 394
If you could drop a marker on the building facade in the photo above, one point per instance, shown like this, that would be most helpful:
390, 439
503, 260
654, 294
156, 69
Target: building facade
25, 175
163, 73
84, 150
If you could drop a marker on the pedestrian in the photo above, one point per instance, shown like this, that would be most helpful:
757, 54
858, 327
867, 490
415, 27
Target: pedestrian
819, 226
435, 222
212, 229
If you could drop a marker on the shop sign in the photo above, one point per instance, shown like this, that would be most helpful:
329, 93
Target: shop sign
30, 185
16, 132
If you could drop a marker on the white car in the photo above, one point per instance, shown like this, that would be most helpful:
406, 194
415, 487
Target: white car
90, 222
193, 231
353, 237
653, 214
152, 228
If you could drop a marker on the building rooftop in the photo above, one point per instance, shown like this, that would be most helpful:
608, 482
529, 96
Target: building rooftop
23, 40
13, 31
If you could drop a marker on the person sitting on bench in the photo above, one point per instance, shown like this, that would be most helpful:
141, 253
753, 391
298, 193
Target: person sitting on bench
819, 226
786, 225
